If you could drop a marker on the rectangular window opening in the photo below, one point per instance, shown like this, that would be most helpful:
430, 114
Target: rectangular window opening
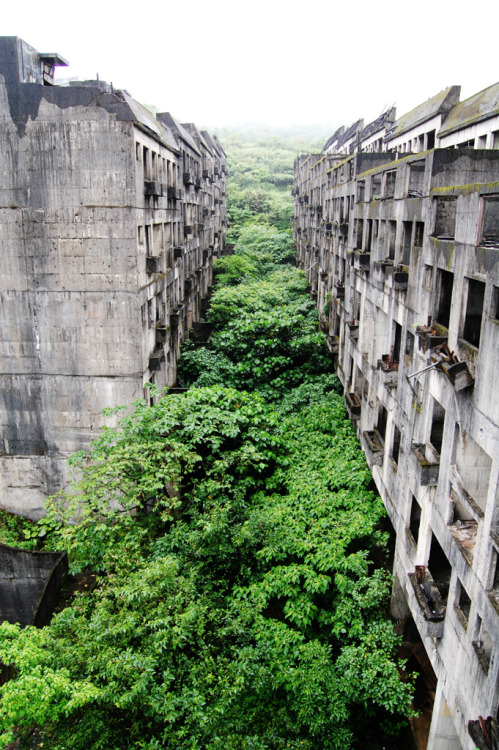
440, 568
490, 221
406, 240
437, 426
474, 312
463, 603
396, 444
415, 519
445, 285
419, 234
445, 218
416, 179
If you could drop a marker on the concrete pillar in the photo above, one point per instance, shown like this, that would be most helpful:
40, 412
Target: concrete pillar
443, 735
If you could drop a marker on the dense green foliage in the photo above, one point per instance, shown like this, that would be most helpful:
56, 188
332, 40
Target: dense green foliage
260, 176
232, 532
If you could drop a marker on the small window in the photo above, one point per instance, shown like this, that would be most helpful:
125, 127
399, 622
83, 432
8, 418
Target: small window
482, 643
415, 519
409, 344
138, 151
490, 222
428, 276
140, 235
419, 234
361, 188
406, 240
494, 310
437, 426
445, 286
397, 340
390, 183
463, 604
369, 235
430, 140
382, 419
360, 230
440, 568
396, 444
474, 312
416, 179
445, 218
376, 187
392, 228
474, 466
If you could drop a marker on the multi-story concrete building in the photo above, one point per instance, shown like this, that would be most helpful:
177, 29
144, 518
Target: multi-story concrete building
109, 220
401, 246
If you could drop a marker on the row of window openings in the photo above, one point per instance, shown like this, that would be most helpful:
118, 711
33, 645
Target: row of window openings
474, 310
384, 234
472, 464
155, 166
441, 572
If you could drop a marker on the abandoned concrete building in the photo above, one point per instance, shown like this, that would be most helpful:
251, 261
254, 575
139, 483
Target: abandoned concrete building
397, 227
109, 220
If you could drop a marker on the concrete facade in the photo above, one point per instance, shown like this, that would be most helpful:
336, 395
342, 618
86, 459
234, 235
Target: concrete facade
402, 253
109, 220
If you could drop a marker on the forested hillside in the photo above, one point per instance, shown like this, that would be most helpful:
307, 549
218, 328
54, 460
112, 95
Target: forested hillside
232, 538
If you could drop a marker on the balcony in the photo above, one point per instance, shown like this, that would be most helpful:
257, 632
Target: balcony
388, 371
353, 328
155, 360
374, 447
427, 464
431, 336
353, 404
431, 612
361, 261
152, 187
173, 193
162, 332
339, 290
333, 343
153, 263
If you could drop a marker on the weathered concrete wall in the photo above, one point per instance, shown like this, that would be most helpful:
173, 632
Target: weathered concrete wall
105, 255
392, 246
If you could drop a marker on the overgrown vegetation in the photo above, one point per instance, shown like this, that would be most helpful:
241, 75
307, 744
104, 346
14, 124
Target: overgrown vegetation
233, 533
261, 175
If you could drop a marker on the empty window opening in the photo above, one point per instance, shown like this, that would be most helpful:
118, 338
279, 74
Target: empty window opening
360, 231
145, 161
396, 444
148, 239
397, 340
415, 519
474, 311
473, 466
495, 139
490, 221
406, 242
138, 151
428, 276
376, 187
390, 184
140, 235
419, 234
416, 179
430, 140
494, 308
409, 344
445, 284
359, 381
361, 188
382, 419
482, 643
437, 426
369, 235
445, 219
392, 225
439, 568
463, 603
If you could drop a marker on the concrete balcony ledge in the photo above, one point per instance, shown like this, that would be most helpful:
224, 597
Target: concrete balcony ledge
151, 187
427, 463
339, 290
431, 609
388, 371
153, 263
430, 337
374, 447
333, 343
353, 328
361, 260
353, 404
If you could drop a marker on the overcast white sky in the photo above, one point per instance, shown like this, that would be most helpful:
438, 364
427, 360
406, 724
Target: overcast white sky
221, 62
